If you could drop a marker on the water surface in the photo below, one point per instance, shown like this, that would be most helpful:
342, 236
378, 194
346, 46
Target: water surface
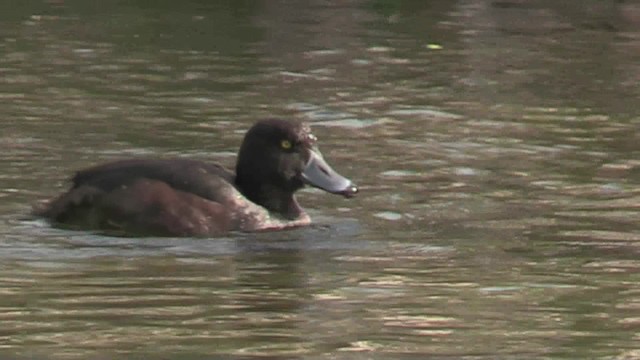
495, 143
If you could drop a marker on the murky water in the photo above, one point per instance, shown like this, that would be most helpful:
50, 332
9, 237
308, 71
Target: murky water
495, 142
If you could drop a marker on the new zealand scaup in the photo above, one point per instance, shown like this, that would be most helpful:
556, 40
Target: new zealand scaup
183, 197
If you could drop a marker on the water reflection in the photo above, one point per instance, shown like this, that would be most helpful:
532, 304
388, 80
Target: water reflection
494, 141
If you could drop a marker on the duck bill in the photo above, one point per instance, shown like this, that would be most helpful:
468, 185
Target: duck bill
319, 174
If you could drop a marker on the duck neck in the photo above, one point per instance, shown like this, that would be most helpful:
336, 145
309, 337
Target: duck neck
275, 200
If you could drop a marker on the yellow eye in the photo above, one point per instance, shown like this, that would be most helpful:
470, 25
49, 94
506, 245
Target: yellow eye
285, 144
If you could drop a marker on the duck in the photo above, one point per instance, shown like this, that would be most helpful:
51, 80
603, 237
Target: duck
181, 197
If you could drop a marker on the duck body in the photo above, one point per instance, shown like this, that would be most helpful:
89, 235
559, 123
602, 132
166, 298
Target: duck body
185, 197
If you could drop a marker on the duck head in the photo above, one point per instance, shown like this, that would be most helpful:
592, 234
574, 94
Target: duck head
278, 157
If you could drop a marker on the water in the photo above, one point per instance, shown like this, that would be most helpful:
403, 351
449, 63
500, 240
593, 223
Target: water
495, 144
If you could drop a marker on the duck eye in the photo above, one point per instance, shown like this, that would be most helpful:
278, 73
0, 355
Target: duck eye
286, 144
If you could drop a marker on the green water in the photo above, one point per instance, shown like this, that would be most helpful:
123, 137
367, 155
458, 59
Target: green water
495, 144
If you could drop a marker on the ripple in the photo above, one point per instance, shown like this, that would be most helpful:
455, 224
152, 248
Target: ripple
389, 215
